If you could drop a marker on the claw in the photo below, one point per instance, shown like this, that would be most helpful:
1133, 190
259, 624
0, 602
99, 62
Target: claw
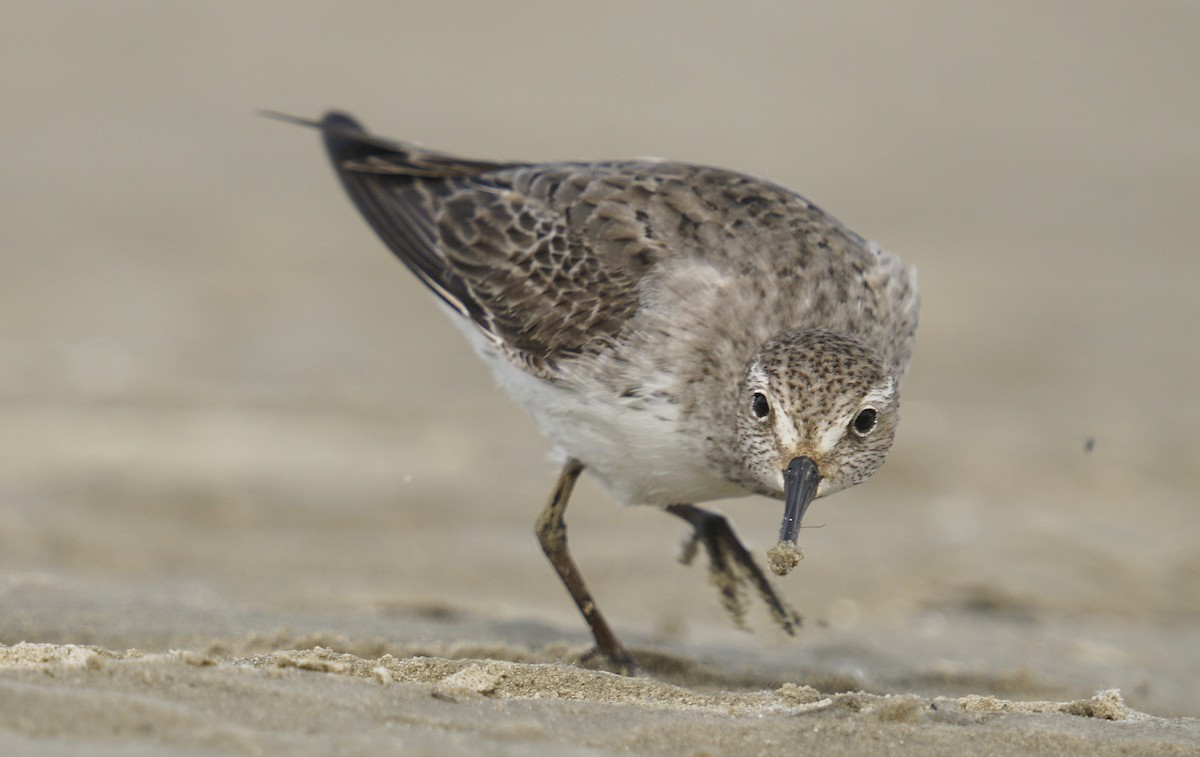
688, 553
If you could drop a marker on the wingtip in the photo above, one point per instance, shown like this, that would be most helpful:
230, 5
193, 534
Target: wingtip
345, 138
335, 120
343, 135
288, 118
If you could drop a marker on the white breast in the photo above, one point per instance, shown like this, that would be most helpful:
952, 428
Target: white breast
640, 456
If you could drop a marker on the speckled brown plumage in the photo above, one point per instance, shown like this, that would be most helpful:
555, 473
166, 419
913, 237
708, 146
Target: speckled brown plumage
685, 333
550, 260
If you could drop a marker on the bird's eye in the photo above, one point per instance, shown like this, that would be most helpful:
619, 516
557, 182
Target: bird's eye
760, 405
864, 421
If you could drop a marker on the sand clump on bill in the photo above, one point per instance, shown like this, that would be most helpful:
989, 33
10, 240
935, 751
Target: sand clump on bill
784, 557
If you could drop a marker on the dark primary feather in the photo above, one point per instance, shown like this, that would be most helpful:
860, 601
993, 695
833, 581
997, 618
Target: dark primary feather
493, 240
378, 174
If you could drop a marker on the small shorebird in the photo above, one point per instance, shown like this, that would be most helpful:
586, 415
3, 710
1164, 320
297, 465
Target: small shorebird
685, 333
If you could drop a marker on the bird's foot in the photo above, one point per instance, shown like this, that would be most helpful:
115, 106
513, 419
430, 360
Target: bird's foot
731, 567
624, 665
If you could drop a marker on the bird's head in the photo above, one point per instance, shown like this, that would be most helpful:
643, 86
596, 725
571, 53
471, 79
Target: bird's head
817, 413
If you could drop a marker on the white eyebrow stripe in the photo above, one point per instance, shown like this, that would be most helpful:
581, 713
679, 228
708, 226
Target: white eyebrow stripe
832, 435
758, 377
785, 429
829, 438
880, 396
785, 426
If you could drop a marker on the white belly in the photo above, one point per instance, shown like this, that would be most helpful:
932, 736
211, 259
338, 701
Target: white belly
640, 456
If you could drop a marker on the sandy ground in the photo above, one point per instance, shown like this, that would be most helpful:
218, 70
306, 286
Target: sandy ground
257, 496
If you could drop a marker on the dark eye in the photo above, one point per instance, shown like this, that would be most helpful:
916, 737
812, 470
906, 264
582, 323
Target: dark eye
864, 421
760, 405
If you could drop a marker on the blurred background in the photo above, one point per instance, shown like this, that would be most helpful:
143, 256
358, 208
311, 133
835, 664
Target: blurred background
225, 410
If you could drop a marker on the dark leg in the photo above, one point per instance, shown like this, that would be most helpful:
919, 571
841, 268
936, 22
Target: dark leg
731, 566
552, 534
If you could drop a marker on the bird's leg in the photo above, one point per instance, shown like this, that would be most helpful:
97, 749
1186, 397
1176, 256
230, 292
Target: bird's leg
731, 566
552, 534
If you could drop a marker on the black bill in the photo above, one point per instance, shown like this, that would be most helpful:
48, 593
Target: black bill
800, 482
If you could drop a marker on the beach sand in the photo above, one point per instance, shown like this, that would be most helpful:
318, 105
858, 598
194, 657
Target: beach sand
257, 496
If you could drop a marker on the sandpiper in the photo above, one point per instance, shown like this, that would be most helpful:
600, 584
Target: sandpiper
684, 333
